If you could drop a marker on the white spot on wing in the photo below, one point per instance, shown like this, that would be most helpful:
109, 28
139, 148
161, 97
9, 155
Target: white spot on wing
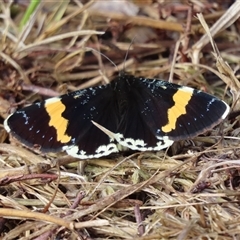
52, 100
140, 145
187, 89
226, 111
7, 128
103, 150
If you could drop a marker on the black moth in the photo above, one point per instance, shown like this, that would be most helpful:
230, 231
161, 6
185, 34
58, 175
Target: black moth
137, 113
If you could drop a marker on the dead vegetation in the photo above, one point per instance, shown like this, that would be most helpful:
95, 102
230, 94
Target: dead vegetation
189, 191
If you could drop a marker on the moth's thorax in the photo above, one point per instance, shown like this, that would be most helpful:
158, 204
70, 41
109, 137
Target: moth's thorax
123, 89
124, 83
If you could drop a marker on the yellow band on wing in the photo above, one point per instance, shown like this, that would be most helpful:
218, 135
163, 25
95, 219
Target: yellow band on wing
55, 108
181, 99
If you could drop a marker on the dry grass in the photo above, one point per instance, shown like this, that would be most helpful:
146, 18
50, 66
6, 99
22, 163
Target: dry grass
187, 192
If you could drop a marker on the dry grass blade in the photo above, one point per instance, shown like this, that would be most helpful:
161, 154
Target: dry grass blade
6, 212
142, 21
227, 19
58, 38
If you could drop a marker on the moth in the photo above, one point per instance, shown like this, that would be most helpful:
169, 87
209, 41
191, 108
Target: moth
134, 112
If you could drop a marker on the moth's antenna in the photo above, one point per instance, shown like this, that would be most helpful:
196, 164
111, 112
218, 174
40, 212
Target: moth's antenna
126, 55
98, 52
